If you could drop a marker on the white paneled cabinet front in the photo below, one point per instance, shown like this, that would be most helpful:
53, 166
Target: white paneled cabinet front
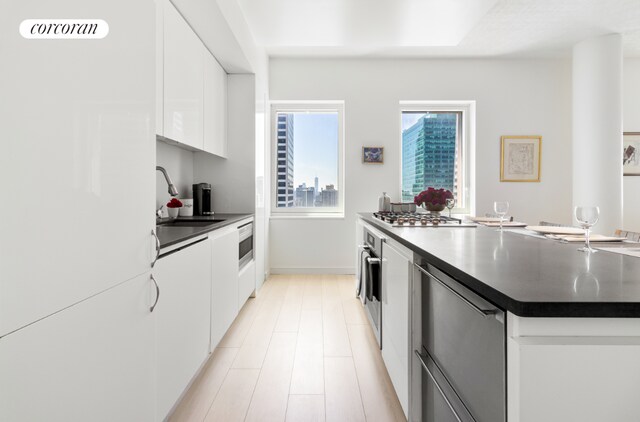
396, 273
182, 320
215, 106
93, 361
183, 80
246, 283
224, 291
78, 161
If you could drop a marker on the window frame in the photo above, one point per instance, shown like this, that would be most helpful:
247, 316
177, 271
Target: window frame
467, 141
298, 107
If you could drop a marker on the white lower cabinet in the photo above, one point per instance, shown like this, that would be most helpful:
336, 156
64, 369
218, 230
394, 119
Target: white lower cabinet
396, 273
246, 283
224, 284
92, 361
182, 317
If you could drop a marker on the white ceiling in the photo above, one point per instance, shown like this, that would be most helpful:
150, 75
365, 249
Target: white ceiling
437, 28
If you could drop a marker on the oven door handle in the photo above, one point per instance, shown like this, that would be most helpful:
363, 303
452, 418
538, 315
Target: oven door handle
370, 263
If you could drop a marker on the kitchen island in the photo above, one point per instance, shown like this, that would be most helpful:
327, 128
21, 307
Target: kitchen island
571, 320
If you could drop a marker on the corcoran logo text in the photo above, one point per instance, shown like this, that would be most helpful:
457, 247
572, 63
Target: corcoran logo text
64, 29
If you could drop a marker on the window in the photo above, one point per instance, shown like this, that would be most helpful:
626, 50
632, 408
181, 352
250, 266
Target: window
308, 158
437, 150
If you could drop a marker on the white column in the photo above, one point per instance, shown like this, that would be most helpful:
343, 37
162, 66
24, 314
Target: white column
597, 128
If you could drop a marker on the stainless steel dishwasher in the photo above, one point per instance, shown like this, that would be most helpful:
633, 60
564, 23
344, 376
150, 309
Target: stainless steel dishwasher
463, 353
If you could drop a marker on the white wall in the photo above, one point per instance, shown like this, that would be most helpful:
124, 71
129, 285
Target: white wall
179, 164
514, 97
631, 123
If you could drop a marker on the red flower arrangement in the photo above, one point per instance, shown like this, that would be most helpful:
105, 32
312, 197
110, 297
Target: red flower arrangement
174, 203
433, 197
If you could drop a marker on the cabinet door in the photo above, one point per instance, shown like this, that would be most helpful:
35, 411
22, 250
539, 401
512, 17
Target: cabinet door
182, 320
183, 74
215, 106
395, 318
93, 361
246, 283
224, 292
78, 162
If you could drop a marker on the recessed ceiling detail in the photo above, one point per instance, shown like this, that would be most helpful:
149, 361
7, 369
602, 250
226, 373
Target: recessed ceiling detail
442, 28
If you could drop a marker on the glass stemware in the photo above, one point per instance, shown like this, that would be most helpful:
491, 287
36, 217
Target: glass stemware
451, 202
587, 217
501, 208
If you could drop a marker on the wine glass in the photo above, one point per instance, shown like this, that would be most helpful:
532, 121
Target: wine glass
587, 217
451, 202
501, 208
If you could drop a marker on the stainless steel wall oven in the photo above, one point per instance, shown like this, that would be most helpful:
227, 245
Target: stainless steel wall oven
371, 280
245, 246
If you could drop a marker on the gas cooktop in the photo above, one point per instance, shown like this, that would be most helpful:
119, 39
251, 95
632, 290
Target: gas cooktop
416, 219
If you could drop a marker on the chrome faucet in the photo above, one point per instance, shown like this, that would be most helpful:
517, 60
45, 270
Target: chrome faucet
172, 189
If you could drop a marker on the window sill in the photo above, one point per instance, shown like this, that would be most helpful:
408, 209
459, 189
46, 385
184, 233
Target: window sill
308, 216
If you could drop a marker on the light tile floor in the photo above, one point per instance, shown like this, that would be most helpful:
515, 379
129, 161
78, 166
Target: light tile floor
301, 351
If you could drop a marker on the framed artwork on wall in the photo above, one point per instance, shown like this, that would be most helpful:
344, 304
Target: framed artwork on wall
520, 158
631, 153
373, 155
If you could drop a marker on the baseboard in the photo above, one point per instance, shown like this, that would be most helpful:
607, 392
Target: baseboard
307, 270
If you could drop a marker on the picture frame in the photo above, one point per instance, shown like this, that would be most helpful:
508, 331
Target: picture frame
631, 153
520, 158
373, 155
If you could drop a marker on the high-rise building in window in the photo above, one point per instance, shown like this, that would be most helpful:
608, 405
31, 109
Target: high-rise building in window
285, 160
329, 196
316, 185
305, 196
429, 154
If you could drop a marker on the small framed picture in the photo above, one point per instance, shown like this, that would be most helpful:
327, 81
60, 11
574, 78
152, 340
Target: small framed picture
373, 155
520, 158
631, 153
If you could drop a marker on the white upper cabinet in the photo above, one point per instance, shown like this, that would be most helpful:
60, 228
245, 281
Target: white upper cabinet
77, 159
183, 80
215, 106
93, 361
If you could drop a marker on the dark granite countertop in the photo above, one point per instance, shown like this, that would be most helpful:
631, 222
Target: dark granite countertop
526, 275
171, 235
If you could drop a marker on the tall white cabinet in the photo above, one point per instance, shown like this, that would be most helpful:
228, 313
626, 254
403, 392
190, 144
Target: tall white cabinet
78, 148
77, 158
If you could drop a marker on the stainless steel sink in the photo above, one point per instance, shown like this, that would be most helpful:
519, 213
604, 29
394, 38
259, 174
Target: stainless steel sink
189, 223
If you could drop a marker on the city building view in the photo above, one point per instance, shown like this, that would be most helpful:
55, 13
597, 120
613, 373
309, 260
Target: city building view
429, 157
303, 147
285, 160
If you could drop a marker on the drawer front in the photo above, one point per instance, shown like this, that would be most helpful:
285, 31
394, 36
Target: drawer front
465, 337
439, 402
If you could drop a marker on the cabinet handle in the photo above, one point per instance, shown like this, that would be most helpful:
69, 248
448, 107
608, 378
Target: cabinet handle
483, 312
153, 232
157, 294
446, 399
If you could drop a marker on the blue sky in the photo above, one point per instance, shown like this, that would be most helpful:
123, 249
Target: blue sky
409, 119
315, 148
